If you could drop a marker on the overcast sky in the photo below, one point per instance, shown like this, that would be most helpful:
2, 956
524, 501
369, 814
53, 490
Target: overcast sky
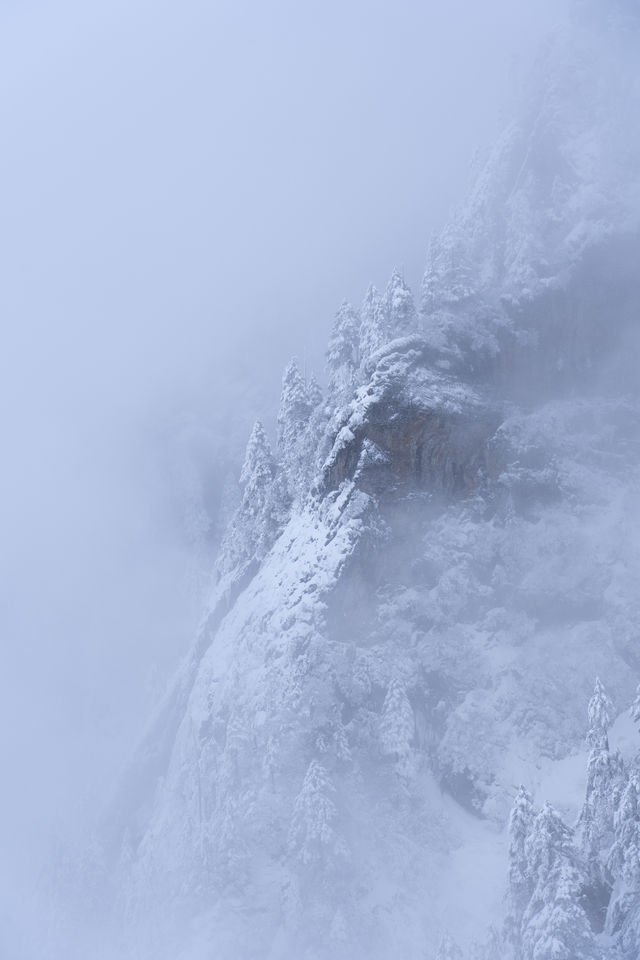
188, 192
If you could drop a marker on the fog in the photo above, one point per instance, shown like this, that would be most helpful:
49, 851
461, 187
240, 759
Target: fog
189, 191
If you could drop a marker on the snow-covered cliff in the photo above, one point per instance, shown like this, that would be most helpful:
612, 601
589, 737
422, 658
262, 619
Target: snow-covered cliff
419, 588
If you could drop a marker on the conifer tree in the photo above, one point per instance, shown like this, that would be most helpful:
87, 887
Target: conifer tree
373, 325
312, 836
397, 723
599, 714
293, 423
562, 930
343, 353
554, 924
258, 470
605, 774
634, 712
294, 411
520, 879
262, 511
314, 443
314, 393
624, 859
399, 308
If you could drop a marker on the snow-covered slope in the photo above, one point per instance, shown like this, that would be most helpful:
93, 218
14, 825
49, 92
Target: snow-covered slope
420, 586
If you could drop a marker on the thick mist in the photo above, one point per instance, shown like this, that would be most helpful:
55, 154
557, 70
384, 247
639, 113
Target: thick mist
189, 193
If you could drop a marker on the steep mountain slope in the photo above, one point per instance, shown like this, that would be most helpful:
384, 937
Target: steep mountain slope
420, 586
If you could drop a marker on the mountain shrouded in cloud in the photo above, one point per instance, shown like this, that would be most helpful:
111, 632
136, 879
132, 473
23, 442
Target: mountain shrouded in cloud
424, 575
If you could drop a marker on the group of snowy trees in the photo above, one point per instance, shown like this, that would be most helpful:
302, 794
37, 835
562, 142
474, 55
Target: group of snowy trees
356, 335
270, 482
574, 894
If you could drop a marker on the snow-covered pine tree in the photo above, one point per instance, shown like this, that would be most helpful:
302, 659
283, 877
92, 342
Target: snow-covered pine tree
262, 511
312, 836
449, 277
399, 308
257, 471
397, 723
554, 925
520, 881
373, 324
314, 392
634, 711
229, 502
605, 777
315, 442
623, 916
599, 714
343, 354
293, 420
563, 932
294, 411
624, 867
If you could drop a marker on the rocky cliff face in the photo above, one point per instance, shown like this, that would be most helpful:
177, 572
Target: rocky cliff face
411, 428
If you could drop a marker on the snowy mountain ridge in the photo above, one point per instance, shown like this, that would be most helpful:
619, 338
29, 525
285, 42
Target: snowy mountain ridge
415, 597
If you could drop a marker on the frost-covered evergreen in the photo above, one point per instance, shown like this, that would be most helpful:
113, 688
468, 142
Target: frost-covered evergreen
605, 776
313, 836
399, 308
313, 446
373, 324
634, 711
343, 354
521, 823
262, 511
294, 411
554, 924
578, 896
599, 715
294, 415
258, 470
314, 392
623, 917
397, 723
